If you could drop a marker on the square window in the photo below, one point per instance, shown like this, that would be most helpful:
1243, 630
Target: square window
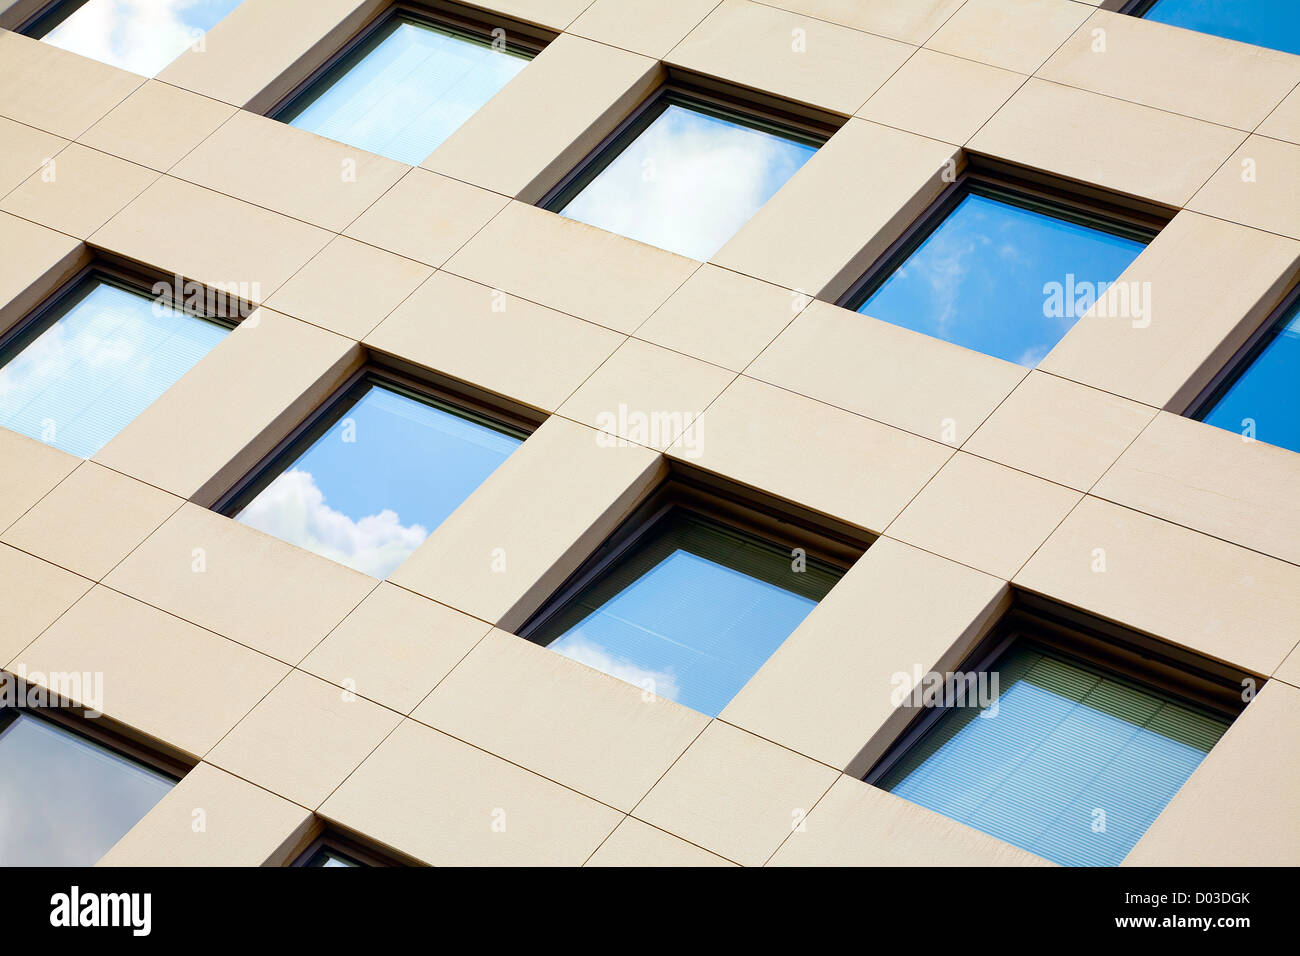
684, 173
1065, 744
1258, 394
405, 86
67, 798
688, 598
93, 358
142, 36
1001, 267
1268, 23
377, 469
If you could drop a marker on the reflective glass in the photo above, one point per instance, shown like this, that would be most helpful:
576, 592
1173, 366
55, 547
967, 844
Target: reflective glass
377, 475
100, 358
1270, 23
688, 181
1069, 763
325, 857
138, 35
1001, 278
65, 800
405, 89
1264, 398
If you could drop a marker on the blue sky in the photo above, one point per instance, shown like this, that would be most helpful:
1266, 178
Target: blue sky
1268, 391
1270, 23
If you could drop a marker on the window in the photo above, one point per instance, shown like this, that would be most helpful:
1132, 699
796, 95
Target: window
142, 36
684, 173
94, 358
333, 850
1065, 744
405, 86
67, 798
1002, 266
1269, 23
1258, 394
689, 599
376, 470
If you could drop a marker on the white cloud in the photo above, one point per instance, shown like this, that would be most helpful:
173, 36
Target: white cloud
577, 647
138, 35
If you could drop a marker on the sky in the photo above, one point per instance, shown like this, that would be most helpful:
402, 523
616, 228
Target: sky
1267, 393
1270, 23
688, 182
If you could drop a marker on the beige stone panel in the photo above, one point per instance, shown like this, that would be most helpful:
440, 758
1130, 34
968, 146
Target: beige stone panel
984, 514
735, 794
555, 14
157, 125
540, 124
426, 217
1213, 597
161, 676
81, 191
212, 238
1182, 71
828, 691
1212, 480
1239, 808
448, 804
1256, 187
1012, 34
349, 287
253, 588
227, 412
531, 523
92, 520
1284, 122
844, 207
33, 593
289, 170
912, 22
1208, 284
903, 378
244, 825
722, 317
395, 647
74, 90
577, 726
23, 150
816, 455
755, 45
36, 262
638, 844
506, 345
1289, 669
649, 29
857, 824
571, 266
303, 739
647, 394
262, 49
1060, 430
1074, 133
942, 97
32, 469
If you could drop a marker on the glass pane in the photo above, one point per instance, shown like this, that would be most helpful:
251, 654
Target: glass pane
99, 360
405, 89
1265, 397
138, 35
985, 278
690, 613
1270, 23
689, 181
1070, 764
65, 799
386, 471
327, 857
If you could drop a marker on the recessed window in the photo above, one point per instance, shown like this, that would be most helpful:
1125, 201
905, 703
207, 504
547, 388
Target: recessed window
80, 369
67, 798
1268, 23
368, 478
1258, 395
688, 600
334, 851
1064, 746
1003, 268
406, 86
684, 173
142, 36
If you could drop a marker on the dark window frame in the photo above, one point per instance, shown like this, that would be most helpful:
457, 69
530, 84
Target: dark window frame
347, 846
49, 16
1137, 8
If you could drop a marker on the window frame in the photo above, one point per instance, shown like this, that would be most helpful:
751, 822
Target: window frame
1137, 8
48, 17
344, 845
